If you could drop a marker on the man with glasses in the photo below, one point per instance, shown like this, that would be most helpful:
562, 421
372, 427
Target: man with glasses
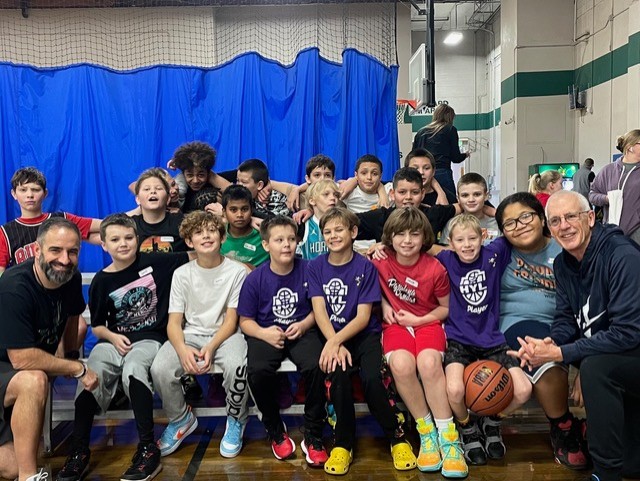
597, 325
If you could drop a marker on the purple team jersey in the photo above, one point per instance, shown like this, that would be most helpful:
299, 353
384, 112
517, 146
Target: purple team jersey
344, 287
271, 299
474, 306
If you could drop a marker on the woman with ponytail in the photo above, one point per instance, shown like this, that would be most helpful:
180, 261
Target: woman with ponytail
617, 187
545, 184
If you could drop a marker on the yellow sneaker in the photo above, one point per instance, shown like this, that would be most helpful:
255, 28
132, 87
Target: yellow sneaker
429, 459
403, 457
453, 463
338, 462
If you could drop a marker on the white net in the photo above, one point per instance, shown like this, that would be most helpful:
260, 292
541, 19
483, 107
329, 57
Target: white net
170, 33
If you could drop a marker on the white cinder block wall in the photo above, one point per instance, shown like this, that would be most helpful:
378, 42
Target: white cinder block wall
613, 105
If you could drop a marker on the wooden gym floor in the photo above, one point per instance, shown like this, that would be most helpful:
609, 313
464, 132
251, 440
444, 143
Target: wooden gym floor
528, 458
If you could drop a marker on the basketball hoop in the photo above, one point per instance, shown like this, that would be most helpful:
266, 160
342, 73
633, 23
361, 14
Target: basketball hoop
401, 108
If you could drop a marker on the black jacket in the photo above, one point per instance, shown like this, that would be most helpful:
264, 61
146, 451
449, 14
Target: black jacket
597, 304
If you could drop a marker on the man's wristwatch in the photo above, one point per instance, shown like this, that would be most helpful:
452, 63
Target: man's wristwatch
84, 371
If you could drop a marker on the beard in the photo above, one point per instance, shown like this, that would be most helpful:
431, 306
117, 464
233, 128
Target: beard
54, 275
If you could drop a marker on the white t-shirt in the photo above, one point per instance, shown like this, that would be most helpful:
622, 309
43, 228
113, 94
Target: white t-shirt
360, 201
203, 295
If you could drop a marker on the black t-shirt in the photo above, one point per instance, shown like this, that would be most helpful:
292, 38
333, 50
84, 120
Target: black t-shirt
199, 200
161, 237
33, 316
432, 197
372, 222
134, 302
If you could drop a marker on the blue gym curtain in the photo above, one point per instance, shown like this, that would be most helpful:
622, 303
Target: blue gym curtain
92, 130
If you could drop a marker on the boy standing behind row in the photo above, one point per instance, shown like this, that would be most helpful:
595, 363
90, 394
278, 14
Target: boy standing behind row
210, 335
18, 237
472, 194
242, 242
276, 317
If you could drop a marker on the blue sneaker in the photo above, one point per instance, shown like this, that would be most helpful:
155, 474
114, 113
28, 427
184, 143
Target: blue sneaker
231, 442
175, 433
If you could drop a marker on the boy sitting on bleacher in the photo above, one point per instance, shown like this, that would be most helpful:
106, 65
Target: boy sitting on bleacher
203, 330
277, 319
128, 301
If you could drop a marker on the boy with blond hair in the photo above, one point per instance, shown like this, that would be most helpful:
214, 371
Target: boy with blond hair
322, 196
473, 333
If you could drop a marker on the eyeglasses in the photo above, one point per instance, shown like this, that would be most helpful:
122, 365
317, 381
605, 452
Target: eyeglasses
571, 218
524, 219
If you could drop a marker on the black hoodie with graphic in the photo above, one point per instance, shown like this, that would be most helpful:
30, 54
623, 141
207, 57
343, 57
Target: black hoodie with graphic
597, 299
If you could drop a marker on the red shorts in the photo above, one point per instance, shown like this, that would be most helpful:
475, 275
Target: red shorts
431, 336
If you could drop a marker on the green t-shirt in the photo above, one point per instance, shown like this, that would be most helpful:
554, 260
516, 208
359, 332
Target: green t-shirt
247, 249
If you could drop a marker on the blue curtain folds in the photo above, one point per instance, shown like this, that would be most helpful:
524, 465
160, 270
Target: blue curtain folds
92, 130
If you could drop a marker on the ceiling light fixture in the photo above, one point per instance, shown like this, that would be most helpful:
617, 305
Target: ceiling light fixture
454, 38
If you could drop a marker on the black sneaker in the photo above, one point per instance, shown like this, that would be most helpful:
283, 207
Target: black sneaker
190, 387
472, 443
493, 444
145, 464
568, 444
75, 466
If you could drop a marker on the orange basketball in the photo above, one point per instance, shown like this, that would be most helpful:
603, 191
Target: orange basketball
488, 387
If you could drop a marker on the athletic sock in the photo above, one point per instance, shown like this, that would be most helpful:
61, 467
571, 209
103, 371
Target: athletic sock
443, 424
142, 405
86, 408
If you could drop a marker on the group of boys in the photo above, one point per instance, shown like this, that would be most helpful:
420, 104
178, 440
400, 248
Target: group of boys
160, 312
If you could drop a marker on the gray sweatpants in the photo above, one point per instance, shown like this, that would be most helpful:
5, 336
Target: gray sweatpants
109, 365
231, 356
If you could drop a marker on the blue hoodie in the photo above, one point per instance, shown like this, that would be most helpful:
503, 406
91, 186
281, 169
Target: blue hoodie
597, 305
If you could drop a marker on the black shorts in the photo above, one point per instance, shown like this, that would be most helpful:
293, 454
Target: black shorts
6, 374
536, 329
465, 354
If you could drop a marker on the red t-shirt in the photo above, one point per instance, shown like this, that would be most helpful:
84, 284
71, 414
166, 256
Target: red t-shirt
543, 197
18, 237
413, 288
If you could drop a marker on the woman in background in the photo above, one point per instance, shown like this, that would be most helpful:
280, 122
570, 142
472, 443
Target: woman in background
617, 187
545, 184
440, 138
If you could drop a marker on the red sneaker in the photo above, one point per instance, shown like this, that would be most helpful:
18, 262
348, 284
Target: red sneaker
282, 446
314, 452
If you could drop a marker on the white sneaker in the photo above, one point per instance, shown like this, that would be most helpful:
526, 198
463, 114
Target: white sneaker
41, 476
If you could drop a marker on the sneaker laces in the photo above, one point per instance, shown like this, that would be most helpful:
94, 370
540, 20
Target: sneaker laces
451, 449
139, 457
234, 428
75, 461
428, 441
